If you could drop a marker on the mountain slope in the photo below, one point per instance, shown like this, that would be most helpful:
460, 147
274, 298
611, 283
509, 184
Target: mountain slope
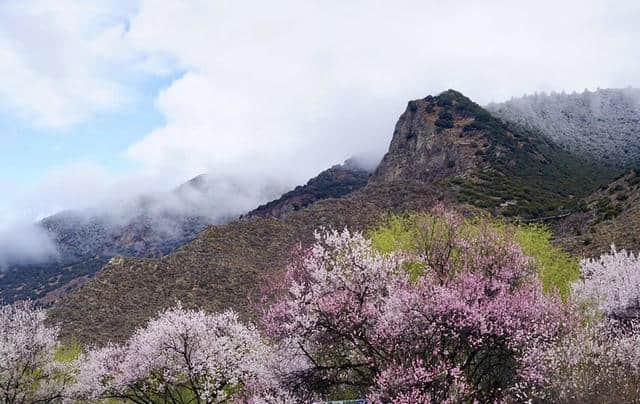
224, 267
335, 182
604, 124
444, 149
508, 169
611, 215
150, 226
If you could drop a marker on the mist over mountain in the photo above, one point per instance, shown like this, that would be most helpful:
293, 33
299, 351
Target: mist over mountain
604, 124
22, 243
47, 259
473, 179
546, 153
38, 258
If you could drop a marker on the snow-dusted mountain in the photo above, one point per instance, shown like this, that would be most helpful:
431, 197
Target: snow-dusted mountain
604, 124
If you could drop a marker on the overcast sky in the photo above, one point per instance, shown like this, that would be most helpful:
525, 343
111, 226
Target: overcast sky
100, 99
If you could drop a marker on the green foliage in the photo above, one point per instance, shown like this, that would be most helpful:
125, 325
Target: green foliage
412, 233
556, 268
68, 353
445, 120
395, 233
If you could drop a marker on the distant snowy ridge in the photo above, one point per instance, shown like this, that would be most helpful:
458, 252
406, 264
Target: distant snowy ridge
604, 124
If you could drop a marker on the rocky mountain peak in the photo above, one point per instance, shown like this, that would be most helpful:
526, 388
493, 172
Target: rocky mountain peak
432, 140
451, 142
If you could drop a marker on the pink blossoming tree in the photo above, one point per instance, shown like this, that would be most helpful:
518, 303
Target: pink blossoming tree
458, 332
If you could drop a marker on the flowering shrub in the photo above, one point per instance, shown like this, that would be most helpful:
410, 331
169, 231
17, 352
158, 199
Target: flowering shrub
599, 362
611, 284
28, 373
435, 309
467, 337
365, 324
596, 364
181, 356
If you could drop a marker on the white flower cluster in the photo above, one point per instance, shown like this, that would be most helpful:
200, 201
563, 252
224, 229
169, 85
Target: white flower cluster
28, 373
611, 284
180, 356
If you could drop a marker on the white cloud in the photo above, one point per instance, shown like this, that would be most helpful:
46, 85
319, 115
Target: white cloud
83, 184
24, 243
282, 89
289, 87
60, 61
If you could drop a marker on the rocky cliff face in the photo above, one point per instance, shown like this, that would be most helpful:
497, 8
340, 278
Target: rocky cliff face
430, 144
452, 142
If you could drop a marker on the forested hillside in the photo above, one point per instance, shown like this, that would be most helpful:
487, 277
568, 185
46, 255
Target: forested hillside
604, 124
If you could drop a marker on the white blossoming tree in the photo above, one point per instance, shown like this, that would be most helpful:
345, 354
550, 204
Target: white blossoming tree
611, 284
599, 362
182, 356
28, 372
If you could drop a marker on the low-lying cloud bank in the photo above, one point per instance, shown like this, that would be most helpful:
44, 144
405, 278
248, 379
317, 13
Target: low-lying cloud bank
25, 243
153, 219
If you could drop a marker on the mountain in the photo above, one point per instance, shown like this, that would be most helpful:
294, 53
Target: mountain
489, 163
603, 124
225, 266
149, 226
444, 149
152, 226
611, 215
335, 182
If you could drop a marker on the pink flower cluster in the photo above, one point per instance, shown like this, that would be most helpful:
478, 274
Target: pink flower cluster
460, 332
470, 325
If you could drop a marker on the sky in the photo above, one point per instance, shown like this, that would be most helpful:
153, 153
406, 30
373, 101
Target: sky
104, 99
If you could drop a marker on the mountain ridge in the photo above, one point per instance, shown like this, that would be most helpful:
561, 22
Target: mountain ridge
225, 265
495, 165
148, 226
334, 182
603, 124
